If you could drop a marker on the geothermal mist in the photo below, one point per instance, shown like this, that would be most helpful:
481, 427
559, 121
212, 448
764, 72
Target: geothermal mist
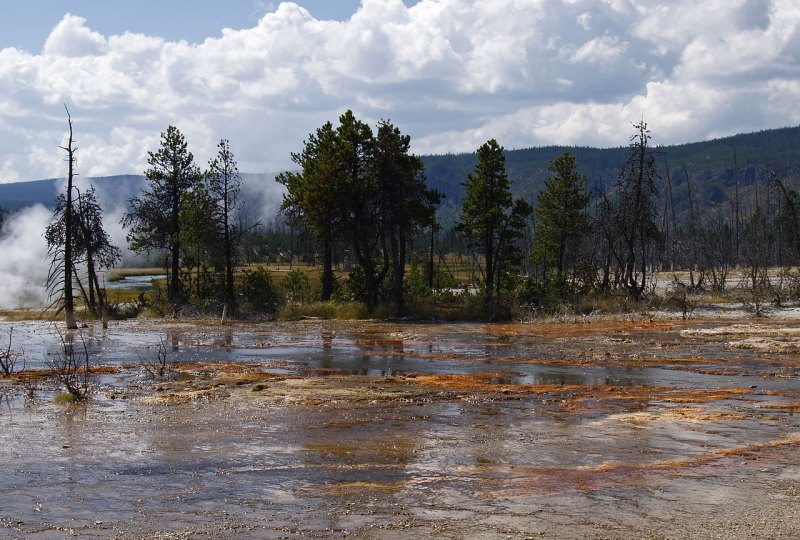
23, 250
23, 264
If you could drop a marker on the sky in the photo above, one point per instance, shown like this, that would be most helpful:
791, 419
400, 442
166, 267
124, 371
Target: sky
450, 73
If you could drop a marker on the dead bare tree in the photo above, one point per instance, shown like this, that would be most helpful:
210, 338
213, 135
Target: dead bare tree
8, 358
635, 214
158, 368
60, 275
70, 367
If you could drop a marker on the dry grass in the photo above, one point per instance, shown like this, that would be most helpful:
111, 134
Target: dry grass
122, 296
26, 314
323, 310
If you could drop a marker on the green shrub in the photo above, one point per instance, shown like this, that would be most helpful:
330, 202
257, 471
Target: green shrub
296, 287
353, 288
203, 287
546, 294
448, 305
324, 310
415, 284
257, 292
66, 397
156, 300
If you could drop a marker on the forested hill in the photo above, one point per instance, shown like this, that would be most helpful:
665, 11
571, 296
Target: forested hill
714, 168
261, 193
711, 166
21, 194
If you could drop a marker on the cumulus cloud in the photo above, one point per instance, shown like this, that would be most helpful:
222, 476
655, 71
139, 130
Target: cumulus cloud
451, 73
72, 38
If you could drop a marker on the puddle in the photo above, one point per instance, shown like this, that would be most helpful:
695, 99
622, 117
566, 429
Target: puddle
135, 283
376, 430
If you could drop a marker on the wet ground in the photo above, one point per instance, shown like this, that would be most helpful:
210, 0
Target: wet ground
583, 429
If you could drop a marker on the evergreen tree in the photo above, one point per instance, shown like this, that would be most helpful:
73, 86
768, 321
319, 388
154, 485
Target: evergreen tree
361, 216
199, 236
365, 191
405, 201
314, 198
91, 245
224, 186
490, 218
94, 243
154, 219
561, 221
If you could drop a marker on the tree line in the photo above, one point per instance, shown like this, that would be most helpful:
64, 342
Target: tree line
191, 216
359, 194
187, 215
364, 190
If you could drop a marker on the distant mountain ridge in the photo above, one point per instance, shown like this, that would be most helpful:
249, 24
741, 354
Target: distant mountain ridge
709, 164
260, 192
16, 195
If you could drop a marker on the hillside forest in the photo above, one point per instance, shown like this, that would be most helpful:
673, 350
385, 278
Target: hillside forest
364, 222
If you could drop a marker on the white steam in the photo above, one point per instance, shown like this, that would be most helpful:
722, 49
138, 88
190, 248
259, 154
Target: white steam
23, 251
24, 264
262, 197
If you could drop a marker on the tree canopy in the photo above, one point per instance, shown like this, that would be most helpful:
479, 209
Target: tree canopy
490, 217
561, 220
154, 219
224, 187
363, 190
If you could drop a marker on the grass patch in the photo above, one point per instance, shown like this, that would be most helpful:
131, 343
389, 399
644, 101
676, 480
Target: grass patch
718, 298
456, 312
278, 272
26, 314
323, 310
122, 296
467, 311
66, 397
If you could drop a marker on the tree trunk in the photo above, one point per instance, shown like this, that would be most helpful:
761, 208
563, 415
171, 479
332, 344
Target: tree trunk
430, 261
175, 272
327, 267
91, 272
489, 274
230, 297
398, 245
69, 301
368, 266
175, 245
102, 300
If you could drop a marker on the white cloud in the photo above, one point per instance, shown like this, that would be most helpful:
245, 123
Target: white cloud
451, 73
71, 38
599, 49
585, 20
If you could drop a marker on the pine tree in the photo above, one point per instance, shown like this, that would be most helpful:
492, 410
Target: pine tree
314, 198
154, 219
224, 186
561, 220
490, 218
404, 200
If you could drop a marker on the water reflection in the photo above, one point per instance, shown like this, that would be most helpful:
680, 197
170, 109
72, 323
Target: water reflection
373, 349
452, 461
138, 283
